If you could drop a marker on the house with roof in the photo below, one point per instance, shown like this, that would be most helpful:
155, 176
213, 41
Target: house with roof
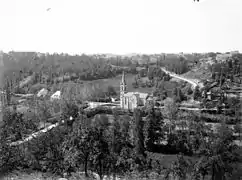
42, 93
223, 57
131, 100
55, 96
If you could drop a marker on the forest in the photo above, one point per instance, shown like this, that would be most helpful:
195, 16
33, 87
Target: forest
125, 146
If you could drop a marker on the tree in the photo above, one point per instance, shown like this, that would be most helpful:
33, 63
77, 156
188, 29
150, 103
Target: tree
171, 110
120, 144
135, 83
199, 131
16, 126
142, 73
10, 157
45, 112
101, 121
78, 147
69, 109
152, 129
177, 95
200, 169
45, 152
161, 85
159, 73
150, 74
219, 153
196, 94
8, 92
179, 168
101, 154
121, 148
115, 143
111, 91
174, 92
102, 159
89, 146
138, 133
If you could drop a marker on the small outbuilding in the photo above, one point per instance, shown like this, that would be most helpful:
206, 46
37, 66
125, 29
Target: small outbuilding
42, 93
56, 96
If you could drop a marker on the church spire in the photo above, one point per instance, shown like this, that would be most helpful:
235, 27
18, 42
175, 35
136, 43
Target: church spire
123, 90
123, 78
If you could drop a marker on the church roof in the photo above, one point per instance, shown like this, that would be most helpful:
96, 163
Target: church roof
143, 95
129, 94
140, 95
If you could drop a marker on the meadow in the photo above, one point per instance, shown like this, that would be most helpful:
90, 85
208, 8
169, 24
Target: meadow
115, 82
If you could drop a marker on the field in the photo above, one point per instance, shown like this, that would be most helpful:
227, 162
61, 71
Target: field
115, 82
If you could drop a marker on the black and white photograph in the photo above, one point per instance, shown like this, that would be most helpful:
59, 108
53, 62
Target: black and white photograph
120, 90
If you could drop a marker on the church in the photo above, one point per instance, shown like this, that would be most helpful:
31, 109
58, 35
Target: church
131, 100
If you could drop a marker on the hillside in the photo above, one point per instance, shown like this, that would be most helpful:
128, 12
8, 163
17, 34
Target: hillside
199, 72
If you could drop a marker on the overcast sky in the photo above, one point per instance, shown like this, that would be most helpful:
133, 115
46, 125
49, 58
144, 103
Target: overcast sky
120, 26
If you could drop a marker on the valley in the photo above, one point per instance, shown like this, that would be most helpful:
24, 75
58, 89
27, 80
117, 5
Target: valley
172, 107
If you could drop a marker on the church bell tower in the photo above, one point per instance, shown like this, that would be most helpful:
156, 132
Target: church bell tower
123, 90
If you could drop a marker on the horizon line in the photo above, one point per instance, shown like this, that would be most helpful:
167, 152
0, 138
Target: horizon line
119, 54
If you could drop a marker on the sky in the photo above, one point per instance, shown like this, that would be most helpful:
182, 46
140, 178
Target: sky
121, 26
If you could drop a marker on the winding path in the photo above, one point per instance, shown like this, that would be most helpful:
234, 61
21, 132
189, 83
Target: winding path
38, 133
34, 135
194, 83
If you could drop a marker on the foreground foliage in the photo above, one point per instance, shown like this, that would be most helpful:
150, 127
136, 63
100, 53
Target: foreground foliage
123, 147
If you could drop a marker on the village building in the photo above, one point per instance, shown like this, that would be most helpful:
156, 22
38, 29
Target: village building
42, 93
223, 57
113, 100
55, 96
131, 100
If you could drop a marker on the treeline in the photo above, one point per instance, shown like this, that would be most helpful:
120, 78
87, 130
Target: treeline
123, 62
56, 67
154, 75
22, 64
227, 70
176, 64
127, 146
173, 62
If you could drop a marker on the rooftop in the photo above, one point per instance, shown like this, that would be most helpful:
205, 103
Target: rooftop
141, 95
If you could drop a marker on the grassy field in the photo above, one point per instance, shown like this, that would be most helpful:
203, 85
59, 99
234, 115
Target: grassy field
115, 82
